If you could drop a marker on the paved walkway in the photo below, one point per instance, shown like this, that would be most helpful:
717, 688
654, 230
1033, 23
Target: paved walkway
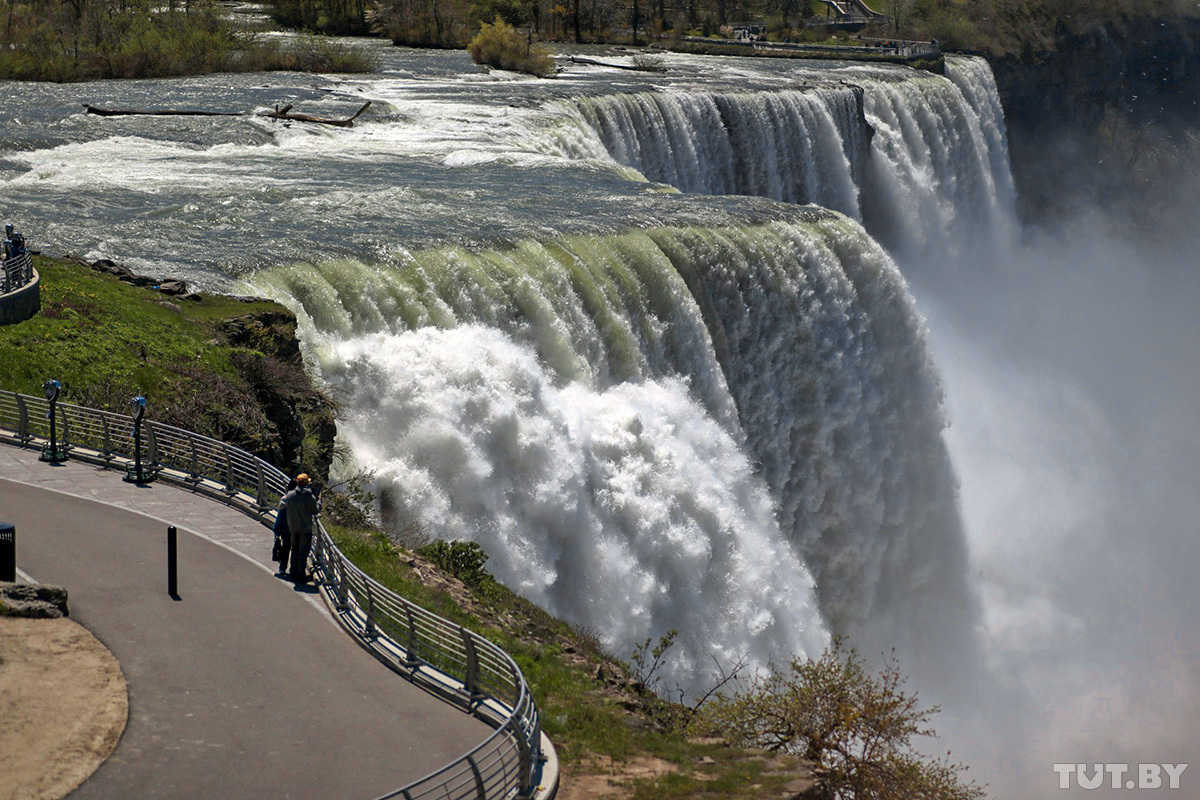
242, 688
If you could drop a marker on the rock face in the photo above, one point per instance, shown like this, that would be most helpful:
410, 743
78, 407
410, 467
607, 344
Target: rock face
36, 601
299, 416
271, 363
1101, 115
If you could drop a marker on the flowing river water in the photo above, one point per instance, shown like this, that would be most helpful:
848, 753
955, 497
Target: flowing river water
647, 338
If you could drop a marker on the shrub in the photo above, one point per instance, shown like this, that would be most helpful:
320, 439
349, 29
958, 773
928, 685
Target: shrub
141, 40
502, 46
650, 62
463, 560
856, 725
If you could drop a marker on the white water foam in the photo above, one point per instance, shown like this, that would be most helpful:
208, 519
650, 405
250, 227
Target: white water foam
626, 509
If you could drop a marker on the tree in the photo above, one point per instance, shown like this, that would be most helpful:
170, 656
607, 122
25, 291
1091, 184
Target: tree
856, 725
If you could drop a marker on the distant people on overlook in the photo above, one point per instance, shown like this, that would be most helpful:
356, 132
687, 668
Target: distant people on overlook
14, 243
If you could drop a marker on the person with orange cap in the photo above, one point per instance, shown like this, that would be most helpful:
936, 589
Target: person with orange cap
302, 507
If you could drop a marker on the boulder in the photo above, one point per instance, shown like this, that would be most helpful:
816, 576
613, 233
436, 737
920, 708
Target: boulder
173, 286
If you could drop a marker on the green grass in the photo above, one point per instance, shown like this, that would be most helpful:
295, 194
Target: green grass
94, 330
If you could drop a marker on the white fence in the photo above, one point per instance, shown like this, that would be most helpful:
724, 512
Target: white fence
462, 666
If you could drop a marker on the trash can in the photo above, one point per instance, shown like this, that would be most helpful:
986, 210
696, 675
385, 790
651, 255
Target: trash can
8, 552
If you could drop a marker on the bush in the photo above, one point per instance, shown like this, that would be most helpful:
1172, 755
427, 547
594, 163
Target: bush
463, 560
502, 46
307, 53
136, 39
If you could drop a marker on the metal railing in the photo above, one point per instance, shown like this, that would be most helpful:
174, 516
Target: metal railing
459, 664
868, 47
15, 272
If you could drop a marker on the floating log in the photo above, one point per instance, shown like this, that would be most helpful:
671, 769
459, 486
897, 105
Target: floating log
166, 112
284, 113
631, 68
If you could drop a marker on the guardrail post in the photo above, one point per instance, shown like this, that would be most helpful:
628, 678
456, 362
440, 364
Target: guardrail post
471, 680
262, 485
343, 600
525, 763
22, 419
65, 439
107, 452
229, 471
194, 472
411, 658
480, 790
371, 633
318, 547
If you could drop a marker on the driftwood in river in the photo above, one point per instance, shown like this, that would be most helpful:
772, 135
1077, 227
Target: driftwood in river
648, 67
284, 113
166, 112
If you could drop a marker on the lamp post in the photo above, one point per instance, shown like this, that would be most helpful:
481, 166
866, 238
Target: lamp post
52, 453
133, 472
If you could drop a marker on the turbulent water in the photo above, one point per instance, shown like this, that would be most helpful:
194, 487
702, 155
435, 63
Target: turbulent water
557, 333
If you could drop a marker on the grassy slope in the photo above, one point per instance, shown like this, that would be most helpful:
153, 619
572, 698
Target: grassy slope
591, 707
94, 331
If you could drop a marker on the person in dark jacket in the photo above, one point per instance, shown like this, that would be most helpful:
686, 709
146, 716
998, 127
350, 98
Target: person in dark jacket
283, 534
302, 507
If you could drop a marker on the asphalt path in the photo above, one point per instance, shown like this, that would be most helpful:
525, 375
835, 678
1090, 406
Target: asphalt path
242, 687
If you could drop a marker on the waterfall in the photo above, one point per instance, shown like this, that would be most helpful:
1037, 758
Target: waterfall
797, 146
664, 428
920, 159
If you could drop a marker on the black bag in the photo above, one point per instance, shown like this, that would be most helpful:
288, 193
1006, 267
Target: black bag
277, 548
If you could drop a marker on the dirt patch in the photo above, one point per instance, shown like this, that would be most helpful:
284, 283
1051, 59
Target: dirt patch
63, 707
601, 777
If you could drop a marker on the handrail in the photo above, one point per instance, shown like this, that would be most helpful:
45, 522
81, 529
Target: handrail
896, 47
15, 272
462, 666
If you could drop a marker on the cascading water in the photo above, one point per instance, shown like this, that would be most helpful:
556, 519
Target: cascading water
920, 159
795, 146
588, 408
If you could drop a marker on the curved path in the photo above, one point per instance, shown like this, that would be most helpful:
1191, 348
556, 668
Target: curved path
244, 687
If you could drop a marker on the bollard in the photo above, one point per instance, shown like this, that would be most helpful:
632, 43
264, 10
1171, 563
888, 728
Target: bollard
8, 552
172, 563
